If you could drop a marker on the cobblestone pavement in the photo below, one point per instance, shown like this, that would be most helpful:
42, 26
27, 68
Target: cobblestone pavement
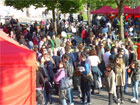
99, 99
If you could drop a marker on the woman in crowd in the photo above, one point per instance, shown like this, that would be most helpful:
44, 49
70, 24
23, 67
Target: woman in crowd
135, 78
93, 61
49, 66
120, 78
59, 75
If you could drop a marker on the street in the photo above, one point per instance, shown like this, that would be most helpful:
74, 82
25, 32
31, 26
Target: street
99, 99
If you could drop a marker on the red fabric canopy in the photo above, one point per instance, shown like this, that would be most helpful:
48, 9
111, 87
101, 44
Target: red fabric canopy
17, 73
126, 10
103, 10
135, 11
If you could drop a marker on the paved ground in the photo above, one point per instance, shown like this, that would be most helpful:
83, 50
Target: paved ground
99, 99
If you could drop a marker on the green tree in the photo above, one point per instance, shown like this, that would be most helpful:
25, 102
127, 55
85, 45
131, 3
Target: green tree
70, 6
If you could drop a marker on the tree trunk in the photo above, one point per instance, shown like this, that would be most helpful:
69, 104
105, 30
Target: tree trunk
121, 26
27, 12
57, 15
88, 16
54, 20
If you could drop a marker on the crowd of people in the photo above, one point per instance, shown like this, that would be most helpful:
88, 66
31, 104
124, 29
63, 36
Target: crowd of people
100, 60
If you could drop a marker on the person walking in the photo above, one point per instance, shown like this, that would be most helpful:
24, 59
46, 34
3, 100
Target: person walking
40, 83
69, 69
120, 78
61, 73
93, 61
111, 84
85, 85
135, 78
84, 36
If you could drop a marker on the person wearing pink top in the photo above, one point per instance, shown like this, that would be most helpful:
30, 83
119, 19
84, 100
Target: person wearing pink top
59, 75
57, 78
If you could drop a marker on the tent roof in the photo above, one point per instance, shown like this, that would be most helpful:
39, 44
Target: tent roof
136, 11
12, 53
102, 10
126, 10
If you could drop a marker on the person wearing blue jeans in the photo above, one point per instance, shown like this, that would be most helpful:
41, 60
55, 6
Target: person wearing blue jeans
135, 86
85, 84
63, 101
125, 86
47, 93
96, 74
135, 74
70, 95
45, 97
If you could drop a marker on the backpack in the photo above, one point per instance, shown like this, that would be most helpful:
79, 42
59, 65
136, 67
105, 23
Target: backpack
65, 83
69, 69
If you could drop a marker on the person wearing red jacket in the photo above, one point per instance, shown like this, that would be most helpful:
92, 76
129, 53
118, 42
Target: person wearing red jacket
84, 35
5, 29
126, 34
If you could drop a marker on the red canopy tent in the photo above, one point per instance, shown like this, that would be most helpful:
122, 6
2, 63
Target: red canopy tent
126, 10
135, 11
17, 73
103, 10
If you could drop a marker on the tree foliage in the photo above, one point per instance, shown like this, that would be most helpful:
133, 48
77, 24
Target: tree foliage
65, 6
70, 6
18, 4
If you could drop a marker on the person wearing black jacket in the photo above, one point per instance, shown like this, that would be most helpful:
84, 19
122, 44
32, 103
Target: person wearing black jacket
132, 55
135, 78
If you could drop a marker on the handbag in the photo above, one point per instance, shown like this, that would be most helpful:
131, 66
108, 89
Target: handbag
65, 83
129, 80
89, 77
99, 82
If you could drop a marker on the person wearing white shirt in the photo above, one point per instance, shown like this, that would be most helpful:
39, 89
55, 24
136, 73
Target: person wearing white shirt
43, 39
106, 56
93, 61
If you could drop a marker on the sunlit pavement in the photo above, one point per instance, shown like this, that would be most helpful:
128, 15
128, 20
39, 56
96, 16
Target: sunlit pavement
99, 99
